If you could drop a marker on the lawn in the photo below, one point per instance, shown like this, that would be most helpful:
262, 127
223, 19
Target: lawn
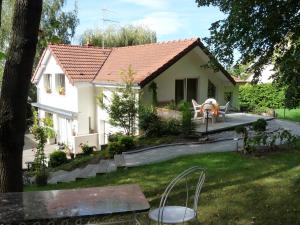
293, 114
238, 190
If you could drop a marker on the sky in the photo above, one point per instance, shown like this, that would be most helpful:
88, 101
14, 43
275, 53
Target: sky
170, 19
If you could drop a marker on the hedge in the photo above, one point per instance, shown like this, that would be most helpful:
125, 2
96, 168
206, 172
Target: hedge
260, 97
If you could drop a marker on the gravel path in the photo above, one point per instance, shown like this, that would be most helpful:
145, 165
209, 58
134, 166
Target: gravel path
169, 152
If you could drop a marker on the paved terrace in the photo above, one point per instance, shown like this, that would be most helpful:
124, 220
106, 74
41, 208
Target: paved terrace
232, 120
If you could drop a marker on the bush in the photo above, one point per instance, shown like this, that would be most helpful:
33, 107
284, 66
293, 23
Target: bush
57, 158
86, 149
260, 97
259, 125
115, 137
186, 123
127, 142
115, 148
149, 122
171, 126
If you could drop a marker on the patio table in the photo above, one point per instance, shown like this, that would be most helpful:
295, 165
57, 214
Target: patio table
60, 206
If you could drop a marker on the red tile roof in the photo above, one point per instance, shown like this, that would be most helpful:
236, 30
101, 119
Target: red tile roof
79, 63
94, 64
145, 60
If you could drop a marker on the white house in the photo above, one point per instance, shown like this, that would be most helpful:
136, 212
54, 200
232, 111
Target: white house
68, 79
266, 75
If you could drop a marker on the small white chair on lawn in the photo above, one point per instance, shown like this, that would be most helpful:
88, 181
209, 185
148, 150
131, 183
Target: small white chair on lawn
190, 183
197, 108
223, 110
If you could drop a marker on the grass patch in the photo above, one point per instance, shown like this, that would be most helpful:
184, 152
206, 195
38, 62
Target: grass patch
238, 189
290, 114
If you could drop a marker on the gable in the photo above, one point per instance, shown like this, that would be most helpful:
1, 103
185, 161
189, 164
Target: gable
79, 63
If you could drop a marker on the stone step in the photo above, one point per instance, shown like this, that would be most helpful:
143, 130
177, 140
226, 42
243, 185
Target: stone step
57, 173
66, 177
119, 160
88, 171
91, 170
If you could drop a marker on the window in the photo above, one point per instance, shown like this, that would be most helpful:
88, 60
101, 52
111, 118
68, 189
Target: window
179, 90
60, 84
191, 89
211, 90
186, 89
47, 83
228, 96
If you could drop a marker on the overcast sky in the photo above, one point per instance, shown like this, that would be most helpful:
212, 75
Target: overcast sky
171, 19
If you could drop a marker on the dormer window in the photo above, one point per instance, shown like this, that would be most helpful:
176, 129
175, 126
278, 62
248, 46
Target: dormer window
47, 83
60, 84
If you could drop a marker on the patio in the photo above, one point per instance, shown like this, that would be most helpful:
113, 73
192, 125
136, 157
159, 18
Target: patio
232, 120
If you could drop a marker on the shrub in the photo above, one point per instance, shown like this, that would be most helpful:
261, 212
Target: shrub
171, 126
260, 97
57, 158
149, 122
115, 137
187, 125
127, 142
259, 125
115, 148
86, 149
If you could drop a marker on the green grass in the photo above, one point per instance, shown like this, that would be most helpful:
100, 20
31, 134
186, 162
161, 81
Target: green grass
238, 189
293, 114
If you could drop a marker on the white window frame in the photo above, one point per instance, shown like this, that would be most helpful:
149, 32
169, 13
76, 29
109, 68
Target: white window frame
48, 81
59, 84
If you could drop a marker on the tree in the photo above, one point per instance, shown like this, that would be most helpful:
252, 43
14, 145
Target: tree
114, 37
123, 108
262, 31
14, 92
57, 26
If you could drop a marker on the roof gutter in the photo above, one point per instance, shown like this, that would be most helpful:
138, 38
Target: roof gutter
111, 85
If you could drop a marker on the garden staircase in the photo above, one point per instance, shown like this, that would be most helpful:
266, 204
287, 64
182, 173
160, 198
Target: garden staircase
91, 170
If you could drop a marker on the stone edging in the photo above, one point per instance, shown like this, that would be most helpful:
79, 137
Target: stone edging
177, 144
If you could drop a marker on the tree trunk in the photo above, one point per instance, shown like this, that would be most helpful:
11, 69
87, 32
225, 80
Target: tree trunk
0, 11
14, 93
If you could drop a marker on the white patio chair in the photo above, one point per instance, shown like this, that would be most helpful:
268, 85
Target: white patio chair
197, 108
190, 183
223, 110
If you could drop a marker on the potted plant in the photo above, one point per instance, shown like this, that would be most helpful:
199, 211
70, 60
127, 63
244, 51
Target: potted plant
61, 91
48, 90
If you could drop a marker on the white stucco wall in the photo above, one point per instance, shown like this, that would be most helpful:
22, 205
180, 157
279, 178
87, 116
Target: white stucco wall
103, 125
54, 99
189, 66
86, 108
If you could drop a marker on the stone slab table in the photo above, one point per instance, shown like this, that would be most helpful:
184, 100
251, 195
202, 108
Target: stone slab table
53, 207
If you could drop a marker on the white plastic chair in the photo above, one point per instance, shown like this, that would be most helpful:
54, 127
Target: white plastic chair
223, 110
192, 180
197, 108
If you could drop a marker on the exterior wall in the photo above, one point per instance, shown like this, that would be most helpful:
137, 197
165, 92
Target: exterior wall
89, 139
54, 99
104, 128
63, 128
189, 67
86, 109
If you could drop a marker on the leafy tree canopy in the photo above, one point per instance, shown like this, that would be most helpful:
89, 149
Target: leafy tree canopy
264, 32
118, 37
57, 26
